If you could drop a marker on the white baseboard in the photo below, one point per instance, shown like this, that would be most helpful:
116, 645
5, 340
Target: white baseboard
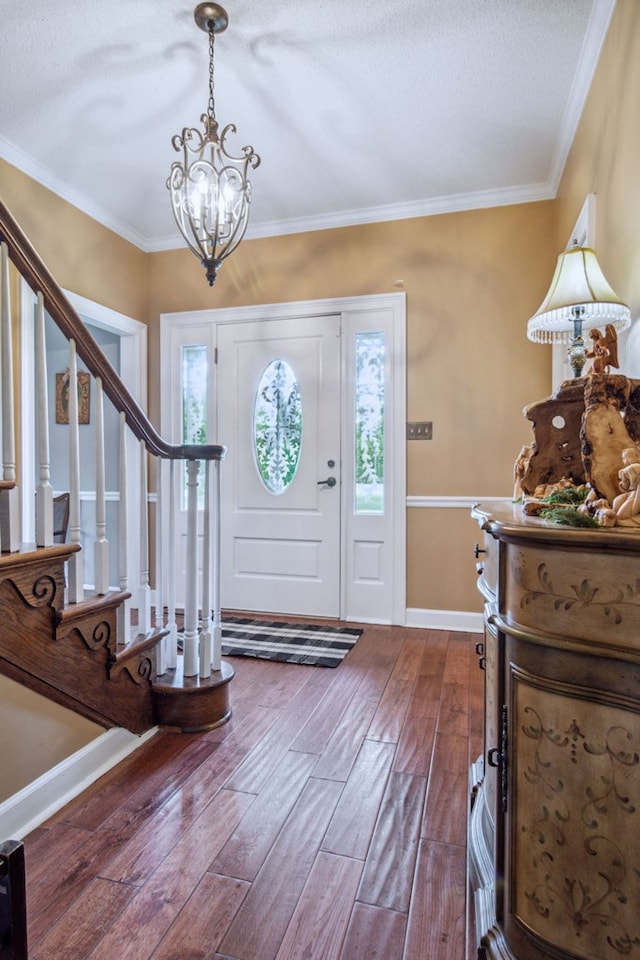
445, 620
31, 806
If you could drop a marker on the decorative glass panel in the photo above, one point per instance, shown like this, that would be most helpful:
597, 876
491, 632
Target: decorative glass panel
369, 433
277, 426
194, 407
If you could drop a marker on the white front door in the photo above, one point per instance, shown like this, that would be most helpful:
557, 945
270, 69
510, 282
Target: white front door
290, 542
279, 404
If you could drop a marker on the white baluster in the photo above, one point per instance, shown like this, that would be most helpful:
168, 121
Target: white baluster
159, 555
9, 499
44, 491
206, 651
124, 610
172, 626
191, 598
216, 660
101, 547
144, 602
75, 564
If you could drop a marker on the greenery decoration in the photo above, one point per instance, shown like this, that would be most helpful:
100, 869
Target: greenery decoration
568, 516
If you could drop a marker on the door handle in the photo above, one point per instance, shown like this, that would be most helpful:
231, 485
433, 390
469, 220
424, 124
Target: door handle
329, 482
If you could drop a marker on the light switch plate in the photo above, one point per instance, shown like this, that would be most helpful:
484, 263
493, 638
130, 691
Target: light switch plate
420, 430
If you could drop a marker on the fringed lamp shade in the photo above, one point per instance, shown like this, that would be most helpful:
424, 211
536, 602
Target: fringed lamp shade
579, 299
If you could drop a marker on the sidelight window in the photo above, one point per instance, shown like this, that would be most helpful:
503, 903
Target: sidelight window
194, 406
369, 422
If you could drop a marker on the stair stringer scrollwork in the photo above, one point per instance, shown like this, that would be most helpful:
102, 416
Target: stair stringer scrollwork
140, 669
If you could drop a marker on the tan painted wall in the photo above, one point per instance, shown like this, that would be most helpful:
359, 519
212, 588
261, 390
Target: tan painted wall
83, 256
35, 735
472, 280
604, 160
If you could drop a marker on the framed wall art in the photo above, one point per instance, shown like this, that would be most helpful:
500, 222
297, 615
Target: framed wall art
62, 397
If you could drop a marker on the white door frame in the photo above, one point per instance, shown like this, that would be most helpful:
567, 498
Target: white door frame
133, 373
390, 303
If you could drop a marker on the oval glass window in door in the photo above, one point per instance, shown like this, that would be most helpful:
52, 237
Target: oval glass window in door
277, 426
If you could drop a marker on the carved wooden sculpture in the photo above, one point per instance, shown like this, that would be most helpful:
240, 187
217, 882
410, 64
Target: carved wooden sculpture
604, 351
556, 451
580, 435
604, 432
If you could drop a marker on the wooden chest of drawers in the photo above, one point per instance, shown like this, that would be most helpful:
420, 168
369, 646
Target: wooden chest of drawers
554, 825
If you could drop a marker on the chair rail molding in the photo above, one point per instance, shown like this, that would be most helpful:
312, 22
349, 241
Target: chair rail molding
449, 503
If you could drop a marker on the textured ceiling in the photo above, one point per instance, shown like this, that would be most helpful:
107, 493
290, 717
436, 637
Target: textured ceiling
360, 111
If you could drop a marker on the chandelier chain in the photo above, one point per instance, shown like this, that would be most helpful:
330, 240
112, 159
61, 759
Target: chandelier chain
211, 109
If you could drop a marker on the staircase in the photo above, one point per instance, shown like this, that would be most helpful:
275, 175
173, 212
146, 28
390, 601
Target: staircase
105, 651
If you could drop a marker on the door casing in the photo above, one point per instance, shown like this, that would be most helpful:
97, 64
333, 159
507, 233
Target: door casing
357, 598
133, 372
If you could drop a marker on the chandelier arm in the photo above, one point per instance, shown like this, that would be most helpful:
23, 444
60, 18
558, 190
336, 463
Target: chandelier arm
248, 155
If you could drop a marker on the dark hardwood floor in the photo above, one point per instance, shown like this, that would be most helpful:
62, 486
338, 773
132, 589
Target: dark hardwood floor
325, 821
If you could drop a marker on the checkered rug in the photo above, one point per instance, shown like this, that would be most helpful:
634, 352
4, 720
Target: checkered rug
310, 644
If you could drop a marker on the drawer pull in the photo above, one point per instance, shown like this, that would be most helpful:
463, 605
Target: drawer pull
497, 756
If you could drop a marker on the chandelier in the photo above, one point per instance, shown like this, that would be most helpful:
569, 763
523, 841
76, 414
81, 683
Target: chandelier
210, 192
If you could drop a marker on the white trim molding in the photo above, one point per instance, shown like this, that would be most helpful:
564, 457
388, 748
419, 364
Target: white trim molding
31, 806
456, 620
452, 503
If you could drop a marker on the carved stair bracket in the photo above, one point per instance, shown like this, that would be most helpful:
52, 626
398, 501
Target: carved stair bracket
72, 655
38, 576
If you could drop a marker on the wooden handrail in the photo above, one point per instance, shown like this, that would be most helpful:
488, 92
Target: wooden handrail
29, 264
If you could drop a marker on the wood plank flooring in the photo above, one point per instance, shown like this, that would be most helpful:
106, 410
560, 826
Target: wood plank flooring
325, 821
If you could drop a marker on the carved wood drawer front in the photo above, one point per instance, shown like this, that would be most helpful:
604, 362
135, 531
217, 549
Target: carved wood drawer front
577, 594
575, 817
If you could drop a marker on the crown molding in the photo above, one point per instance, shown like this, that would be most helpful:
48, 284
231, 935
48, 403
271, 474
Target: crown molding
432, 206
38, 172
582, 81
454, 203
596, 32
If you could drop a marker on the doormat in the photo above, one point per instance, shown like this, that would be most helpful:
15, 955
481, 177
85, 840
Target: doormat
310, 644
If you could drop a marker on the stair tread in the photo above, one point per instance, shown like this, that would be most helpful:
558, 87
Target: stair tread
93, 603
29, 553
140, 642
